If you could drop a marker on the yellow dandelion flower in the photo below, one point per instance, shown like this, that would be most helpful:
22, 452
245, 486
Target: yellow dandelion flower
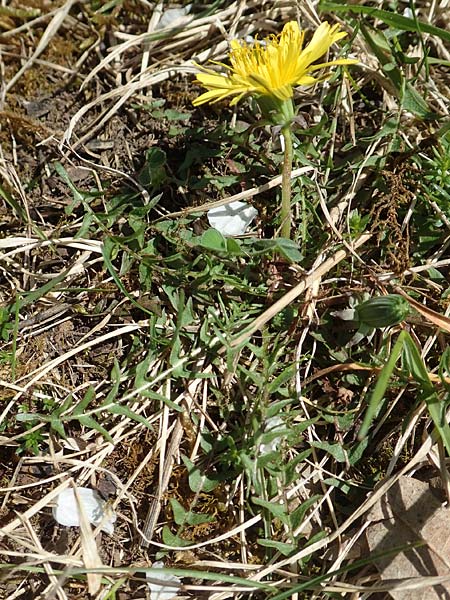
273, 67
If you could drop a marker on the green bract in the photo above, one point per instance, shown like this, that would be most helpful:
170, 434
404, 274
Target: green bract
383, 311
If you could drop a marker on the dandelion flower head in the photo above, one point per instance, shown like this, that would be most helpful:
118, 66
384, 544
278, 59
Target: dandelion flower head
272, 67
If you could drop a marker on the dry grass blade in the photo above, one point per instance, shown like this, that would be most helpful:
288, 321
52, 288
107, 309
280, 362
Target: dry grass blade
440, 321
91, 558
52, 28
295, 292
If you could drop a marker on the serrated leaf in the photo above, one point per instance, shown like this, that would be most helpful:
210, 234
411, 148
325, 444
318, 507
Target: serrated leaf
197, 481
284, 548
91, 423
413, 102
56, 425
121, 409
171, 539
213, 240
275, 508
335, 449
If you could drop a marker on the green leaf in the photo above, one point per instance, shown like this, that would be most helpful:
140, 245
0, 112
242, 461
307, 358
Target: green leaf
234, 247
298, 516
336, 450
31, 417
289, 249
381, 386
337, 483
381, 48
285, 376
291, 468
175, 115
198, 518
213, 240
91, 423
197, 481
122, 409
171, 539
356, 452
179, 512
444, 368
275, 508
79, 197
284, 548
9, 199
182, 516
57, 426
436, 407
115, 380
62, 408
84, 403
153, 174
413, 102
109, 249
277, 407
390, 18
31, 297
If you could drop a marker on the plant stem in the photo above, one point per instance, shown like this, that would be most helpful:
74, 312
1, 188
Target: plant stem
286, 189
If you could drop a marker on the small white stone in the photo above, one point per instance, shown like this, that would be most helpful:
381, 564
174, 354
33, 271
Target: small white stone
164, 590
232, 218
66, 510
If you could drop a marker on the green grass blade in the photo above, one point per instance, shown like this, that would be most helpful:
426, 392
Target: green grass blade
381, 386
390, 18
436, 407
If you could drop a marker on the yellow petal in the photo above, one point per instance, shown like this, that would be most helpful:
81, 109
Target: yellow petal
338, 61
271, 68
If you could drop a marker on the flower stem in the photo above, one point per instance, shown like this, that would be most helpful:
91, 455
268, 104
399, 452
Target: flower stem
286, 189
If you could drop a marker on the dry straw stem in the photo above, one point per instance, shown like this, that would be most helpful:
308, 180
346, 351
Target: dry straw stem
306, 283
437, 319
167, 59
51, 30
169, 453
245, 195
419, 457
91, 558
